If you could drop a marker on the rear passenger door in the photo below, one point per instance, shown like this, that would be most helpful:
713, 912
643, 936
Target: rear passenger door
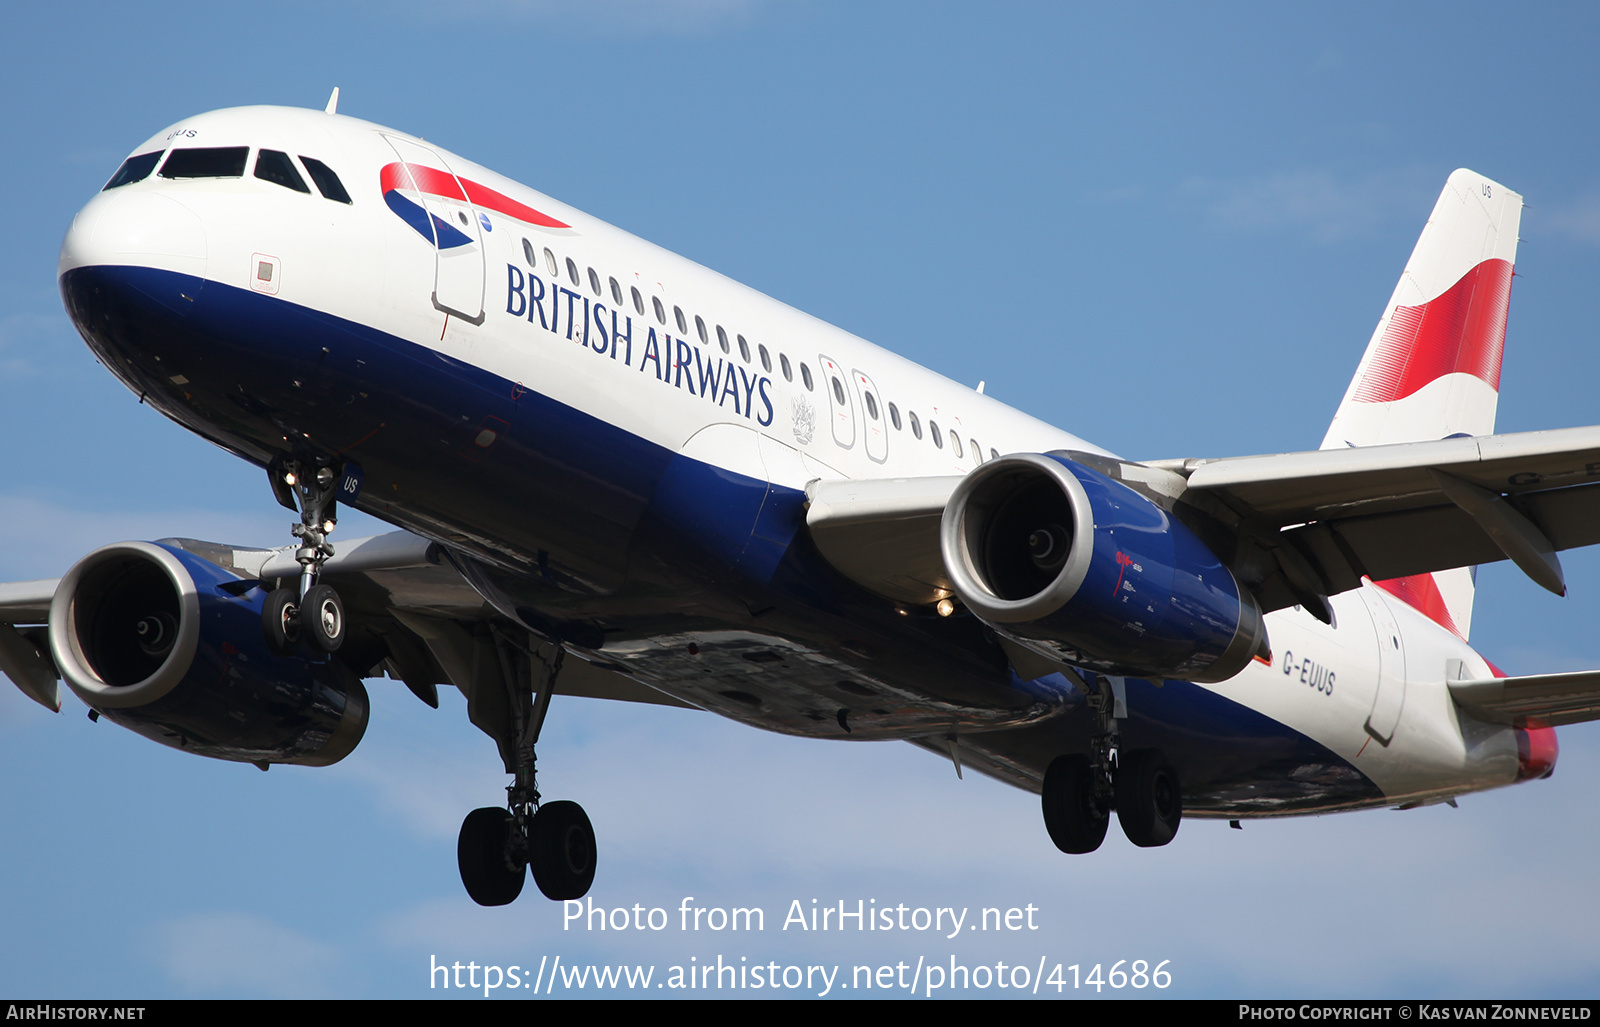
841, 405
872, 420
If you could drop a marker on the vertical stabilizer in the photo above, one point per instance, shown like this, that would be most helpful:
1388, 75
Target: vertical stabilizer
1432, 369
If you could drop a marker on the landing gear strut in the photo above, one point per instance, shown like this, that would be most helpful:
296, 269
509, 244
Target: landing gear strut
1079, 791
554, 840
312, 610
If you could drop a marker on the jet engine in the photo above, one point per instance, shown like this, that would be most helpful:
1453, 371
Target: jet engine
170, 645
1077, 566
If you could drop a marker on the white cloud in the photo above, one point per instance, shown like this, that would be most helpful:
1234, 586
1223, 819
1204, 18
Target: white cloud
674, 17
58, 535
1328, 208
25, 337
1578, 220
237, 953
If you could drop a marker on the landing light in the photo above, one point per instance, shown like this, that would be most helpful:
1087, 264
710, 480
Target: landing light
945, 607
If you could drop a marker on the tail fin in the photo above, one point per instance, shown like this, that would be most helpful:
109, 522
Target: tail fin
1432, 369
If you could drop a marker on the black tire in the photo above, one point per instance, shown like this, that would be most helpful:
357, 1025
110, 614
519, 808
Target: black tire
280, 621
1075, 819
482, 854
1149, 798
561, 851
322, 618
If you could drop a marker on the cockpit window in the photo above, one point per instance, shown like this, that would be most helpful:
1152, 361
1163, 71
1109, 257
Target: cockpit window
276, 167
134, 169
327, 182
206, 162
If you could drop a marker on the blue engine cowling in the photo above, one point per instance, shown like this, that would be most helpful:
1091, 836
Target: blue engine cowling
1070, 563
170, 645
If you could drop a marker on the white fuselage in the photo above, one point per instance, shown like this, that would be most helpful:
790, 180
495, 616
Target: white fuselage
789, 400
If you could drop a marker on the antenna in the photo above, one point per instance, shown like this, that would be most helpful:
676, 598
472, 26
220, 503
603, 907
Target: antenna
333, 102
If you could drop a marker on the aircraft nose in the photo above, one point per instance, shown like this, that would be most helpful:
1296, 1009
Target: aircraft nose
141, 229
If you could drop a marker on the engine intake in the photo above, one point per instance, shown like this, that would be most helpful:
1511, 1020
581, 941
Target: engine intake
1070, 563
169, 645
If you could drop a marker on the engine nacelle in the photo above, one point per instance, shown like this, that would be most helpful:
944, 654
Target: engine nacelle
1070, 563
170, 645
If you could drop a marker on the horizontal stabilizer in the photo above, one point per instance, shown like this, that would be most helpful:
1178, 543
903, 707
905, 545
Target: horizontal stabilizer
1536, 699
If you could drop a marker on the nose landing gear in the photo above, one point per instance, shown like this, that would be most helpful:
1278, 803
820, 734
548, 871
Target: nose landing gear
313, 610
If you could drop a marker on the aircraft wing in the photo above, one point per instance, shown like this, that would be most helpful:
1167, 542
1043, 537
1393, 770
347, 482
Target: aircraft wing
24, 655
1301, 526
1549, 699
423, 624
884, 533
1333, 516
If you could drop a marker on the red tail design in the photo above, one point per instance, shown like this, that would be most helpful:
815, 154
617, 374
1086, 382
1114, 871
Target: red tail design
1462, 329
1421, 593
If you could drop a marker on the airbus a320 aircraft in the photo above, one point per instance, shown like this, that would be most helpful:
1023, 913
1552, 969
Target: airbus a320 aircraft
619, 474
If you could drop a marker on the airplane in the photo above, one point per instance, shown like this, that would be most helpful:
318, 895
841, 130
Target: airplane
615, 473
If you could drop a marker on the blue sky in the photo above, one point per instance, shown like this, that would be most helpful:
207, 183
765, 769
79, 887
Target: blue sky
1168, 228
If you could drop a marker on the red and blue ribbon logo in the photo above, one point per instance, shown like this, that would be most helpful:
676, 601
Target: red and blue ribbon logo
400, 177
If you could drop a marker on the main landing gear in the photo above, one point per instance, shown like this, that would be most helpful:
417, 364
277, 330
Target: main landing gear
553, 840
312, 610
1080, 791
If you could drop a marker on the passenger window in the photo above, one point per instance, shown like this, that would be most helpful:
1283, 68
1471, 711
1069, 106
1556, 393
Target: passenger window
550, 260
805, 376
977, 451
683, 326
744, 350
894, 416
766, 359
134, 169
661, 312
528, 255
955, 442
206, 162
700, 326
722, 339
594, 283
916, 426
872, 405
274, 166
783, 361
638, 303
616, 292
933, 433
327, 182
838, 390
572, 271
994, 454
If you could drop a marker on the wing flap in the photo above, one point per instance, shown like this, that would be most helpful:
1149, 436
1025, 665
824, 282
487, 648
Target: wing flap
1537, 699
